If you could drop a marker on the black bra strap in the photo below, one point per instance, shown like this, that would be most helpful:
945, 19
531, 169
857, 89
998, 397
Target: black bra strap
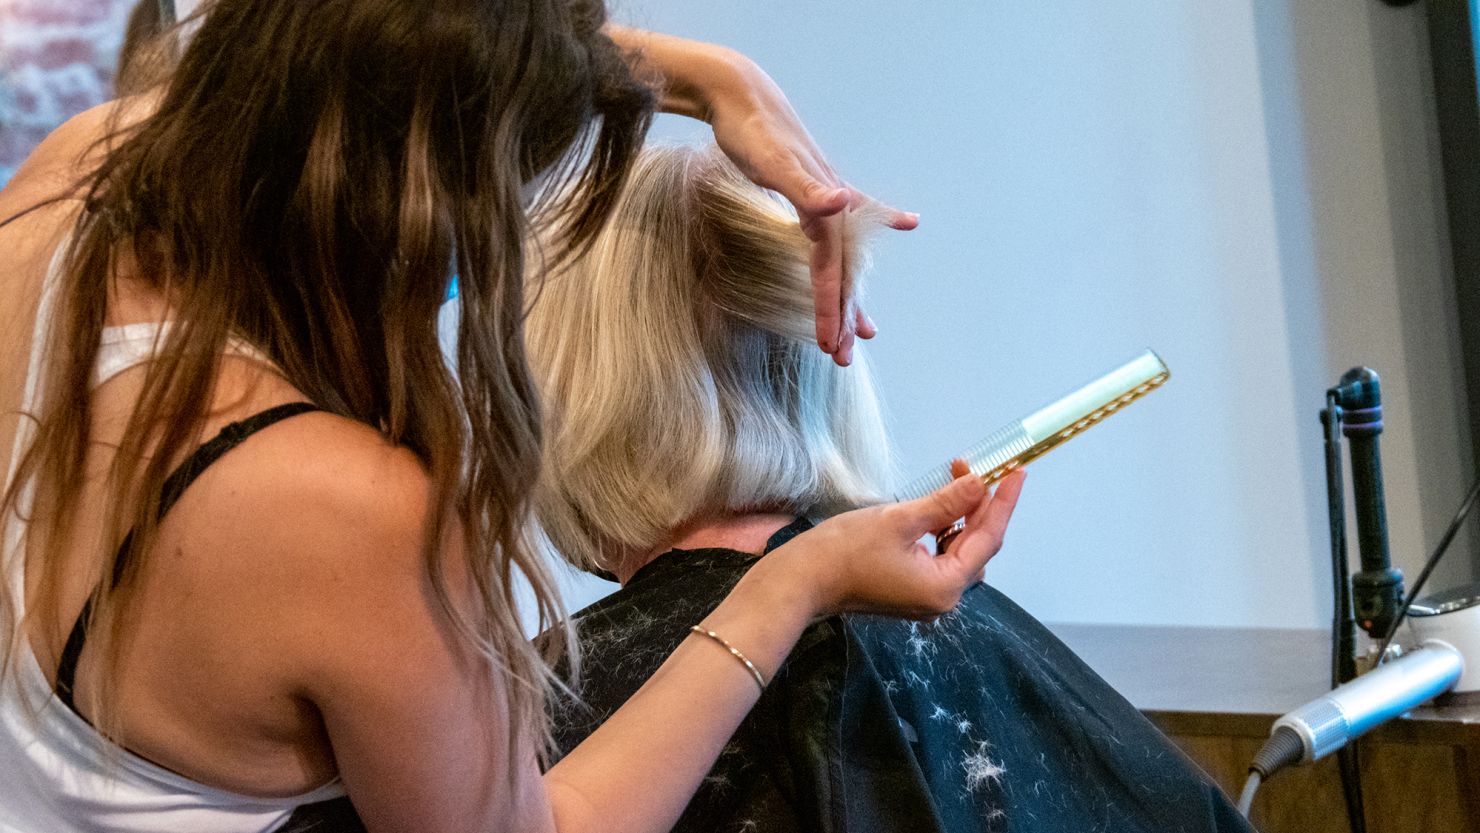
174, 486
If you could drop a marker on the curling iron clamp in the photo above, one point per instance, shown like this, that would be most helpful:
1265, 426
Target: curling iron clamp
1019, 443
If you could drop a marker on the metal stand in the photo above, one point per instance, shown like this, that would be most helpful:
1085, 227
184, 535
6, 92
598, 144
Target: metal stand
1343, 624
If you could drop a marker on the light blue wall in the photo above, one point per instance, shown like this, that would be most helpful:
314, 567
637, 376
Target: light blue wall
1236, 184
1475, 30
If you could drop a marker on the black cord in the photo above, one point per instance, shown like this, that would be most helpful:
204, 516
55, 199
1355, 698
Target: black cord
1428, 567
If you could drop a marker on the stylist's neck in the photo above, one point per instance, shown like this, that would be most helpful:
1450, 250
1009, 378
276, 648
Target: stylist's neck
743, 533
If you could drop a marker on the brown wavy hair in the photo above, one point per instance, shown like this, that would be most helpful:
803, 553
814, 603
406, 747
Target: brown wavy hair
142, 57
314, 176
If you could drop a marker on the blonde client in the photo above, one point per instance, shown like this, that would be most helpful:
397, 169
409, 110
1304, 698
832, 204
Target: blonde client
691, 428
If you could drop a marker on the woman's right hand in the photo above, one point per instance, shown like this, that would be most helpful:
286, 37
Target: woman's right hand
758, 130
873, 560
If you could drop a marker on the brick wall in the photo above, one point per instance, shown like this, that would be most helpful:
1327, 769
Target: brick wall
56, 59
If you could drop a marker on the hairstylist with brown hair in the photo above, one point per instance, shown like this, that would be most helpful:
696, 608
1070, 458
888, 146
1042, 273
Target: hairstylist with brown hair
260, 542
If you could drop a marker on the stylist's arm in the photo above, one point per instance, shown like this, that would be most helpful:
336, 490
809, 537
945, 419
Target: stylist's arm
756, 126
673, 729
414, 761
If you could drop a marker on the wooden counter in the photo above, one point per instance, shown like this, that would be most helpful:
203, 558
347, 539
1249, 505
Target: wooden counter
1216, 692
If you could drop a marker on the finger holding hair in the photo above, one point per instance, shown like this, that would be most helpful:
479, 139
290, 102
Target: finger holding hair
834, 331
756, 126
839, 317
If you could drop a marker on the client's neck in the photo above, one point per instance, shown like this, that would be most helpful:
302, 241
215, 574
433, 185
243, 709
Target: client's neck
744, 533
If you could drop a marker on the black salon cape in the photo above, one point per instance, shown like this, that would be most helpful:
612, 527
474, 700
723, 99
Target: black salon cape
981, 721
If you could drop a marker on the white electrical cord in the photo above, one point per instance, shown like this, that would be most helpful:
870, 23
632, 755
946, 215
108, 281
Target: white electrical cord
1246, 800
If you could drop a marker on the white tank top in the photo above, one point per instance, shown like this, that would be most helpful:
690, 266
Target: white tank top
57, 773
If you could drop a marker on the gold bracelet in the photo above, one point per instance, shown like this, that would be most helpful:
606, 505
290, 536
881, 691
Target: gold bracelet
735, 652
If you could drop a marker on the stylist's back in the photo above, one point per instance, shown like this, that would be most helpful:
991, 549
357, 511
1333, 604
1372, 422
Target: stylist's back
205, 727
236, 566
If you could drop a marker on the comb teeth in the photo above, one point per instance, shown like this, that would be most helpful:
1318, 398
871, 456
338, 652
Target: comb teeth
1099, 414
996, 450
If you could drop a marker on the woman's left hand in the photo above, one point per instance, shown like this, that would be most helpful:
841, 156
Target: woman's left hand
757, 128
872, 560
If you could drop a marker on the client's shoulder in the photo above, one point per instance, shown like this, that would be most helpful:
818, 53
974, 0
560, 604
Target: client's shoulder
667, 595
625, 636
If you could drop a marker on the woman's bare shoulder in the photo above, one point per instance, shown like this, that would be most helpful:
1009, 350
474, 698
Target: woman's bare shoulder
54, 167
42, 200
316, 525
320, 480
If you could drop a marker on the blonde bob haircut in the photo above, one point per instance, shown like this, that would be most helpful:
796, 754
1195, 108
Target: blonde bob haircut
679, 373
